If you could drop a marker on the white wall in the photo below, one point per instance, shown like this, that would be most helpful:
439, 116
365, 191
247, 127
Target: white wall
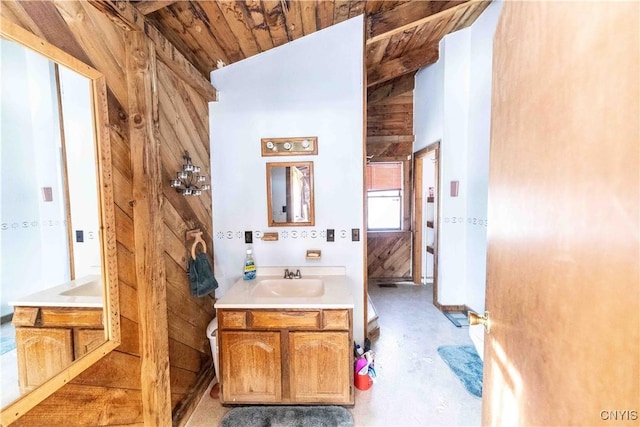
81, 158
34, 245
33, 252
428, 107
453, 156
481, 59
310, 87
453, 103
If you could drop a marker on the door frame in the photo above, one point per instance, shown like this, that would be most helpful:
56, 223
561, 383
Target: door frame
418, 215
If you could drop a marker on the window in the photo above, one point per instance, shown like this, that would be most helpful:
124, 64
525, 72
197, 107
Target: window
384, 196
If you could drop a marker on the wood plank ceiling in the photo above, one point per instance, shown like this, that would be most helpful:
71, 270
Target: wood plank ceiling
402, 36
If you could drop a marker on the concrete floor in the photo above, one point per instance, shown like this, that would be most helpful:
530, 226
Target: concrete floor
414, 386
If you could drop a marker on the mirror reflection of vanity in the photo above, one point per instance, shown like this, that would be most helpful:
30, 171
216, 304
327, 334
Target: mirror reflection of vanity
58, 277
290, 198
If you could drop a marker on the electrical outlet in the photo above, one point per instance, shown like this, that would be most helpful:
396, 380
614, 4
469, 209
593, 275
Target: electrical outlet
331, 235
248, 236
355, 234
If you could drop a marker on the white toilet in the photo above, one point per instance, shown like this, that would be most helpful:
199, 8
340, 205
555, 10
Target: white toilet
476, 332
212, 334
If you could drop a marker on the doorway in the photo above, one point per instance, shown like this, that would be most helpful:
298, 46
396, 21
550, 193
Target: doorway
425, 219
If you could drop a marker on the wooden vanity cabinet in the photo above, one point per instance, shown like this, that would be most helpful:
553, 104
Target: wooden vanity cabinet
252, 370
49, 339
42, 353
318, 365
286, 356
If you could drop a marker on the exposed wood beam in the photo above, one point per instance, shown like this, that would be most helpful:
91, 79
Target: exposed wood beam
391, 88
147, 218
398, 67
126, 16
122, 13
149, 6
395, 21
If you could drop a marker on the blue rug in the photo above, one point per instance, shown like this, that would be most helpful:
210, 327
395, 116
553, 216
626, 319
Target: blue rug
7, 344
466, 364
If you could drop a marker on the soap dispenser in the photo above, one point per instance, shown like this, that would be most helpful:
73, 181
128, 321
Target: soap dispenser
249, 272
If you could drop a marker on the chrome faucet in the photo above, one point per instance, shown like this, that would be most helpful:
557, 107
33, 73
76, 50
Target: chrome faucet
291, 275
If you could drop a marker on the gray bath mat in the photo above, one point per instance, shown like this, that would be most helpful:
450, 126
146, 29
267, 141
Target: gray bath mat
288, 416
387, 285
7, 344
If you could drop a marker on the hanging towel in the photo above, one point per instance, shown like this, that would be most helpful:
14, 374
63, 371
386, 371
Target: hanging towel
201, 278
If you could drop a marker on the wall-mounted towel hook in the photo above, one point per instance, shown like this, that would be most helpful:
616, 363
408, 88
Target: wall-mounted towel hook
197, 236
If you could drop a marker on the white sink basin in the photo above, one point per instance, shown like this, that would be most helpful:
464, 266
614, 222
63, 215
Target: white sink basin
91, 289
289, 288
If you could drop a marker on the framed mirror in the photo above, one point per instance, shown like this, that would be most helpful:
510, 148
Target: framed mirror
290, 194
60, 311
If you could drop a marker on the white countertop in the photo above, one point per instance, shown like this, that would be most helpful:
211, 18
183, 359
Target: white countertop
90, 296
337, 290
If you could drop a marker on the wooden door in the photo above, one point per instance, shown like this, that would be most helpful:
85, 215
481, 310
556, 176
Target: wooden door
251, 367
562, 285
42, 353
320, 367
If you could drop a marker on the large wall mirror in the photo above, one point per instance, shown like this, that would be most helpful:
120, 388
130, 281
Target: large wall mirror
58, 275
290, 194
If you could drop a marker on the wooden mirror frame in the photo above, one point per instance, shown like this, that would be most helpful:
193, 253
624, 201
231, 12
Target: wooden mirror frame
312, 216
23, 404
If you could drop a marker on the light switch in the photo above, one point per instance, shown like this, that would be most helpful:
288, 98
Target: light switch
47, 194
454, 188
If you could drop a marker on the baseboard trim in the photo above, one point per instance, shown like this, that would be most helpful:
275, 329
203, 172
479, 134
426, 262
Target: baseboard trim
186, 406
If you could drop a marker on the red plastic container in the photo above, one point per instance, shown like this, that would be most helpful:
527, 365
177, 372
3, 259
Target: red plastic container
362, 382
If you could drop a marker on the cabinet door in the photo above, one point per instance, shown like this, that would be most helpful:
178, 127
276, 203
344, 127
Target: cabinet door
320, 368
251, 367
42, 353
85, 340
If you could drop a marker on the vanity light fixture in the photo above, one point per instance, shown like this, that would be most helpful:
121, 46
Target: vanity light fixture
189, 182
291, 146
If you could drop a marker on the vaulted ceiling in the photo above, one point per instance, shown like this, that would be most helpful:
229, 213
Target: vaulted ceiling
401, 36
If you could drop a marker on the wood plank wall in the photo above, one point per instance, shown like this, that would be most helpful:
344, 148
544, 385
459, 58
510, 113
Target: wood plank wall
109, 393
390, 138
184, 125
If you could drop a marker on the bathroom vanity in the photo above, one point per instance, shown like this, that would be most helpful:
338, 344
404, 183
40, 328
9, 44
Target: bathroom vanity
56, 327
287, 341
